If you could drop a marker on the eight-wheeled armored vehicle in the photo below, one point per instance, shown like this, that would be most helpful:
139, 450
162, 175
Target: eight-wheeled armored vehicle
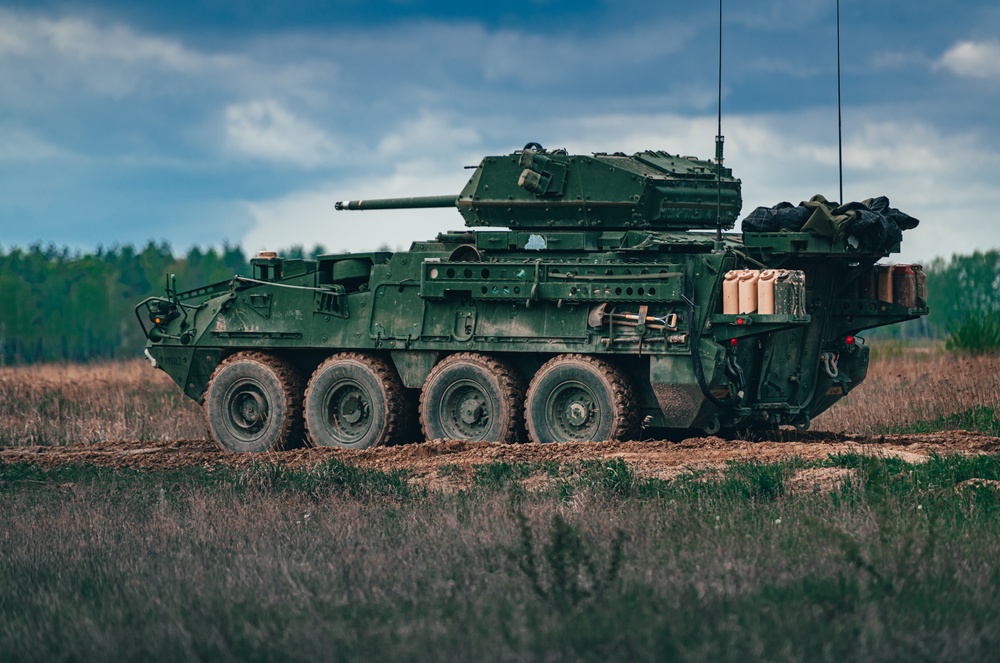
590, 297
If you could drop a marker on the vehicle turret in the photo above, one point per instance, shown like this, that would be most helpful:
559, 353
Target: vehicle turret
534, 189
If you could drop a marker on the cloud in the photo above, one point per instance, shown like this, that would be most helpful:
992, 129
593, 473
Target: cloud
628, 132
938, 175
935, 175
428, 133
308, 218
110, 60
420, 156
777, 15
18, 144
83, 41
302, 117
533, 58
266, 130
897, 60
973, 59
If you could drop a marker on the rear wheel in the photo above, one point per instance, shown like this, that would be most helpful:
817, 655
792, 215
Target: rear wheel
355, 401
472, 397
254, 403
580, 398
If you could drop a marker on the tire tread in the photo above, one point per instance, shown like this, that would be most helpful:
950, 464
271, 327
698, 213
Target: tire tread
626, 424
291, 432
399, 413
511, 390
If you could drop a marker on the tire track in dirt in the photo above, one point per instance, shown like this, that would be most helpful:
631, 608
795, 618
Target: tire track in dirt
447, 465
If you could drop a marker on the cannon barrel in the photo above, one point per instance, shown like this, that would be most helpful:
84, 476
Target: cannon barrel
399, 203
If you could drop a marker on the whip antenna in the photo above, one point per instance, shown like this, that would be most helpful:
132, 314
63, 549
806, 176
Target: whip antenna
840, 121
719, 139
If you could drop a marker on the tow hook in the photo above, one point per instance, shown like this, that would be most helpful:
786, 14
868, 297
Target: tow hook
829, 361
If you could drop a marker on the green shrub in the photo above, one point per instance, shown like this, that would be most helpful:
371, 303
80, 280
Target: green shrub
567, 571
327, 478
755, 481
499, 475
978, 334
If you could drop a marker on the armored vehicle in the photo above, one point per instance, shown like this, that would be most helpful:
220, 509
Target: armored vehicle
589, 298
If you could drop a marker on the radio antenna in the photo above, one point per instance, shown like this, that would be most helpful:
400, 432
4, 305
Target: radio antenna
719, 140
840, 121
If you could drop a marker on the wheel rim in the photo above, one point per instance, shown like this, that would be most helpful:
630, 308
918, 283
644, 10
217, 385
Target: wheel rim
347, 411
249, 409
572, 411
466, 411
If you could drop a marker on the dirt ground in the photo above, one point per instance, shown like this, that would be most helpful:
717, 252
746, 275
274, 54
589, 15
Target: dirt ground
448, 465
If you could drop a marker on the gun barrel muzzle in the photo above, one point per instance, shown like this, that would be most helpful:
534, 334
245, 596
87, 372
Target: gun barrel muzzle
398, 203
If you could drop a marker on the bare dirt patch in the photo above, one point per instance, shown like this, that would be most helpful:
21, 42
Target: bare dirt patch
445, 465
819, 479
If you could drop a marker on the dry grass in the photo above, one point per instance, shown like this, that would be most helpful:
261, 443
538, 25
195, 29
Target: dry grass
57, 404
69, 403
907, 387
853, 557
268, 564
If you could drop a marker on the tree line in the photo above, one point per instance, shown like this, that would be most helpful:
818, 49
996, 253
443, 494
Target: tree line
59, 305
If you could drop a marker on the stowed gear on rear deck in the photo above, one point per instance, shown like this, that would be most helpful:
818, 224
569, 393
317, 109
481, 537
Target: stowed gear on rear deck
872, 224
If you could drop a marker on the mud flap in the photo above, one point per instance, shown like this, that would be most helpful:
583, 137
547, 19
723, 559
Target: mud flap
675, 386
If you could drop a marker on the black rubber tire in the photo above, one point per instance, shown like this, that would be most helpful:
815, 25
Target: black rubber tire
356, 401
475, 397
575, 398
254, 403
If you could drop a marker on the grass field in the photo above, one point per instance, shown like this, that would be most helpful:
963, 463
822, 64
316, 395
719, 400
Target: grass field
69, 404
59, 404
899, 562
919, 390
891, 561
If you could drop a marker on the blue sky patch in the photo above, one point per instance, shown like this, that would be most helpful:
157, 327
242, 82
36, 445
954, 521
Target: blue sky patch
204, 122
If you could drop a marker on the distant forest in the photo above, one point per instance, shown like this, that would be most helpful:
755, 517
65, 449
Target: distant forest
57, 305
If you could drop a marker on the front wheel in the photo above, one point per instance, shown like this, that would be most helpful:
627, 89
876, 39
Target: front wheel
355, 401
254, 403
580, 398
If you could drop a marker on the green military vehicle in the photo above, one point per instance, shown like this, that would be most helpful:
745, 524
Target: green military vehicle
590, 298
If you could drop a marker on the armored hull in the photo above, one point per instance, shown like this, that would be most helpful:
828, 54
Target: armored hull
594, 300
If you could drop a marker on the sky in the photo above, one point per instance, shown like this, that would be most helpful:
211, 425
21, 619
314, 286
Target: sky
243, 121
